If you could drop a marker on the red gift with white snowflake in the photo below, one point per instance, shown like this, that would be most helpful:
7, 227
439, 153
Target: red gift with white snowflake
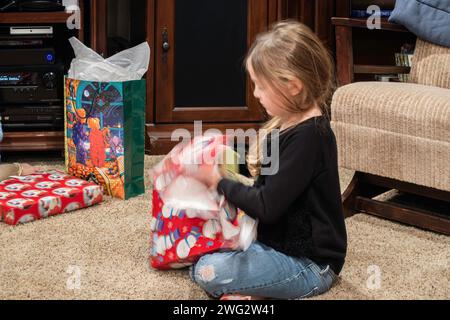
190, 220
25, 199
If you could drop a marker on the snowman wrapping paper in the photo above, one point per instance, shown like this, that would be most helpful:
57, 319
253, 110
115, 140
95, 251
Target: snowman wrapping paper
25, 199
188, 219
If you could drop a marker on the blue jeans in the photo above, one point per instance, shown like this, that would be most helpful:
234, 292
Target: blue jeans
261, 272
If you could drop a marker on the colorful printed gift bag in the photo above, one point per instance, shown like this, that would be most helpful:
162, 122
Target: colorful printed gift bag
188, 219
105, 134
28, 198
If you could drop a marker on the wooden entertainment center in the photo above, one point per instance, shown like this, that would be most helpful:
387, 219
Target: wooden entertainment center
39, 140
176, 95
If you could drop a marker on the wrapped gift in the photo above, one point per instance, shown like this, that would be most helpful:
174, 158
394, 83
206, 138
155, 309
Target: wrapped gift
28, 198
188, 219
180, 240
105, 118
105, 134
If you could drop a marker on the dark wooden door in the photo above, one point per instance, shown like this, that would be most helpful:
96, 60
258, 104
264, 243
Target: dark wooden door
200, 46
117, 25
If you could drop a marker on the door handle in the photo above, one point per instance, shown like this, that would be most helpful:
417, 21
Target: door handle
165, 44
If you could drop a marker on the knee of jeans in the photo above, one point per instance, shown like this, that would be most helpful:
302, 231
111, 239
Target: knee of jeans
209, 275
204, 271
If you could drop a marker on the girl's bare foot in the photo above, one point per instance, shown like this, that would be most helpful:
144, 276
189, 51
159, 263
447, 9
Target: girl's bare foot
238, 297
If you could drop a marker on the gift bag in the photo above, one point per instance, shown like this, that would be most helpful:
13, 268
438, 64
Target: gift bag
28, 198
105, 118
188, 219
105, 134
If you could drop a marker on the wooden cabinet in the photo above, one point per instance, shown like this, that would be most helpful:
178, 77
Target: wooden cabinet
196, 69
26, 140
362, 52
197, 53
199, 71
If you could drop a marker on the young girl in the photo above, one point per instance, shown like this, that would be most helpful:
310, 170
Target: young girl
302, 241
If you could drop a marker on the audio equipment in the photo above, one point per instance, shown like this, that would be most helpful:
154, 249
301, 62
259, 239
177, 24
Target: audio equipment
32, 117
32, 56
31, 5
31, 84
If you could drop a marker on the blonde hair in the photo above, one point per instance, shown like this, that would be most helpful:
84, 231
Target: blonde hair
290, 51
93, 123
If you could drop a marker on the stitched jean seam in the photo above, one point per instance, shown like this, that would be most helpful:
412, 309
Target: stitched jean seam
323, 274
310, 294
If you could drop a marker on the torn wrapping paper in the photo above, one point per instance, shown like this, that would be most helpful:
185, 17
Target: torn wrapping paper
190, 220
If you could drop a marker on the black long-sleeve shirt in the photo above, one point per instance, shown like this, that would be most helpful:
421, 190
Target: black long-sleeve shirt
299, 208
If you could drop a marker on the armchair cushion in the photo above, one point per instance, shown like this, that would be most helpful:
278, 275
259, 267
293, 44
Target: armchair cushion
394, 130
428, 19
431, 65
403, 108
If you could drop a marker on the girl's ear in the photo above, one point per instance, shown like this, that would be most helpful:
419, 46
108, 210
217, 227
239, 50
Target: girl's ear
295, 86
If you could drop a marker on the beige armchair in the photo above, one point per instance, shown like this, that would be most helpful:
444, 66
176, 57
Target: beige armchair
397, 136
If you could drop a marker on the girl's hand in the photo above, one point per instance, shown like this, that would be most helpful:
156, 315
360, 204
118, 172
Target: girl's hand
208, 174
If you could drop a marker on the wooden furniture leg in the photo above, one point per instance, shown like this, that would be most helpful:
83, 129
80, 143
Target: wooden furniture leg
358, 198
357, 189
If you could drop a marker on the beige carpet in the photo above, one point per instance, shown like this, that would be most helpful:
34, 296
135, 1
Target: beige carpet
108, 247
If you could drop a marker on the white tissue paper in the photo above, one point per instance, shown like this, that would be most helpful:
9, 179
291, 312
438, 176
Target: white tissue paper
179, 191
88, 65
